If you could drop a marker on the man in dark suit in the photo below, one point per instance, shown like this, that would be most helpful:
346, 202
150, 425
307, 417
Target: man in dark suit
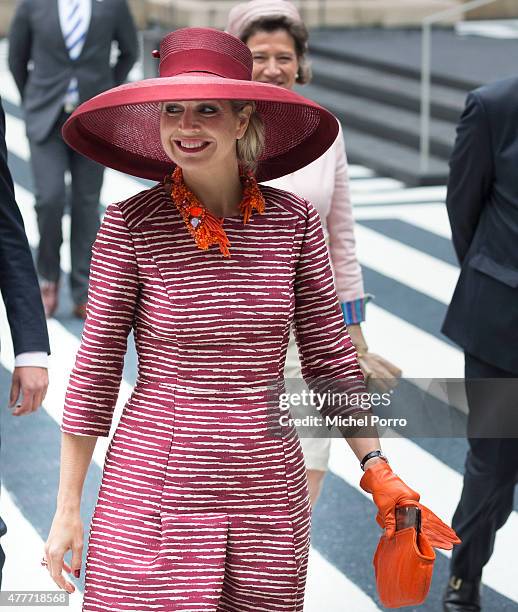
482, 318
21, 295
68, 43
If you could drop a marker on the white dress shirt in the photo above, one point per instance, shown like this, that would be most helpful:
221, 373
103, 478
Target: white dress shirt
34, 359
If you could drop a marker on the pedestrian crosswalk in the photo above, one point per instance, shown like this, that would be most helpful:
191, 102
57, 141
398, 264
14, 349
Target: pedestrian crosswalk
403, 244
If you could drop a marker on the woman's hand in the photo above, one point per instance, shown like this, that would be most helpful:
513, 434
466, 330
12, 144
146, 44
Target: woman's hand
389, 491
66, 533
439, 534
380, 374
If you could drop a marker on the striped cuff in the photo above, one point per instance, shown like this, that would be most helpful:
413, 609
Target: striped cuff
354, 312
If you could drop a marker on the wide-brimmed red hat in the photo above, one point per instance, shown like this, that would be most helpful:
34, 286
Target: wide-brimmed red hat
120, 128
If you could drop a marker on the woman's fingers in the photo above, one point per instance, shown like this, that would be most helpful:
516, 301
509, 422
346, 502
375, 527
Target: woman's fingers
390, 523
437, 531
364, 366
392, 369
447, 538
436, 542
378, 385
56, 562
381, 373
77, 557
434, 523
380, 521
384, 364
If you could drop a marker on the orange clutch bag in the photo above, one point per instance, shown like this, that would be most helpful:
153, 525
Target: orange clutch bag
403, 566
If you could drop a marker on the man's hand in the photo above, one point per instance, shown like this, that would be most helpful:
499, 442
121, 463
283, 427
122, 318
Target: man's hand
31, 384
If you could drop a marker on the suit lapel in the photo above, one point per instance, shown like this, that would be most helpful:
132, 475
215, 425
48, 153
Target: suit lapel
96, 8
57, 25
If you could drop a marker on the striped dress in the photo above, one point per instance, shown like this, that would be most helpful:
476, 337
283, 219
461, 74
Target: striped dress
203, 504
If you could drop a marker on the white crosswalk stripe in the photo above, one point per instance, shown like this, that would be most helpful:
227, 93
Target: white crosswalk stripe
398, 196
359, 172
375, 185
437, 279
328, 589
420, 353
430, 217
24, 549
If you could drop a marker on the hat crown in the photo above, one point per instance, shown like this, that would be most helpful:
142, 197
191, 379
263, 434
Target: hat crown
205, 50
243, 15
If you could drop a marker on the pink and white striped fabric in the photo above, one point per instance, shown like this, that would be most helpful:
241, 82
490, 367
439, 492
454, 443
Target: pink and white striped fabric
203, 507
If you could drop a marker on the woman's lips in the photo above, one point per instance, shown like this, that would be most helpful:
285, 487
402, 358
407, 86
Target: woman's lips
273, 82
191, 146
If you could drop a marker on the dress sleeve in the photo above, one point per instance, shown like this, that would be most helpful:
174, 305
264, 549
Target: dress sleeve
328, 358
112, 295
340, 226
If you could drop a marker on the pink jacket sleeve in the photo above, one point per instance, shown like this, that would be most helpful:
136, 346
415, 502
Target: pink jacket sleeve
112, 295
340, 226
328, 357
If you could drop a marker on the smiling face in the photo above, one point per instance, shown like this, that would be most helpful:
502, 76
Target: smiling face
275, 57
202, 134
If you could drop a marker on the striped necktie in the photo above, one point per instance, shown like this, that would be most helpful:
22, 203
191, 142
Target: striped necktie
74, 31
74, 34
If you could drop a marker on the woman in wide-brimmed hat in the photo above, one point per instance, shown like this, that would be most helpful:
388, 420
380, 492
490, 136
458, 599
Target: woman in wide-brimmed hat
203, 503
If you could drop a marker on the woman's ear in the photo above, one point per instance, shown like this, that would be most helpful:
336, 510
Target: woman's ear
244, 118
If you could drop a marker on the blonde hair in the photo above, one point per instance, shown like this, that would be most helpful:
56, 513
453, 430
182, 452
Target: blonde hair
251, 144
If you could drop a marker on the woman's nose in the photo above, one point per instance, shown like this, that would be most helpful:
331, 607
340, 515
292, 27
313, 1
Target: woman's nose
188, 120
272, 67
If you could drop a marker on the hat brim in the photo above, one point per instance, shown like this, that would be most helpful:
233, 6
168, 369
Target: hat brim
120, 128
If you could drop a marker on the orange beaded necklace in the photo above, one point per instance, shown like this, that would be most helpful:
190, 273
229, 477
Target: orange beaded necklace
204, 226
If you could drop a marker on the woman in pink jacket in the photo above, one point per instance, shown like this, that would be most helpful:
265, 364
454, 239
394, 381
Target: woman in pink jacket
275, 33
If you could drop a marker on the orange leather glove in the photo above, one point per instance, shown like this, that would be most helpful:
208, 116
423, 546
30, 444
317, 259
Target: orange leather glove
438, 533
389, 491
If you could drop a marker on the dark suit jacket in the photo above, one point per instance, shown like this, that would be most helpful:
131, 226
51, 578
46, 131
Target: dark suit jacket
35, 36
18, 282
482, 205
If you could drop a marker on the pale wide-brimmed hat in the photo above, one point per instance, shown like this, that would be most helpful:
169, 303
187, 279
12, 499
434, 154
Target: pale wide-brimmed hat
120, 128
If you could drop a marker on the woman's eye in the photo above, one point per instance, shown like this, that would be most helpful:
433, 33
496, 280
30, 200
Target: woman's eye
208, 110
172, 109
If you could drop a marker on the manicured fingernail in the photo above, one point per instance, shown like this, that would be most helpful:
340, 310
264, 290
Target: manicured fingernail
77, 573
